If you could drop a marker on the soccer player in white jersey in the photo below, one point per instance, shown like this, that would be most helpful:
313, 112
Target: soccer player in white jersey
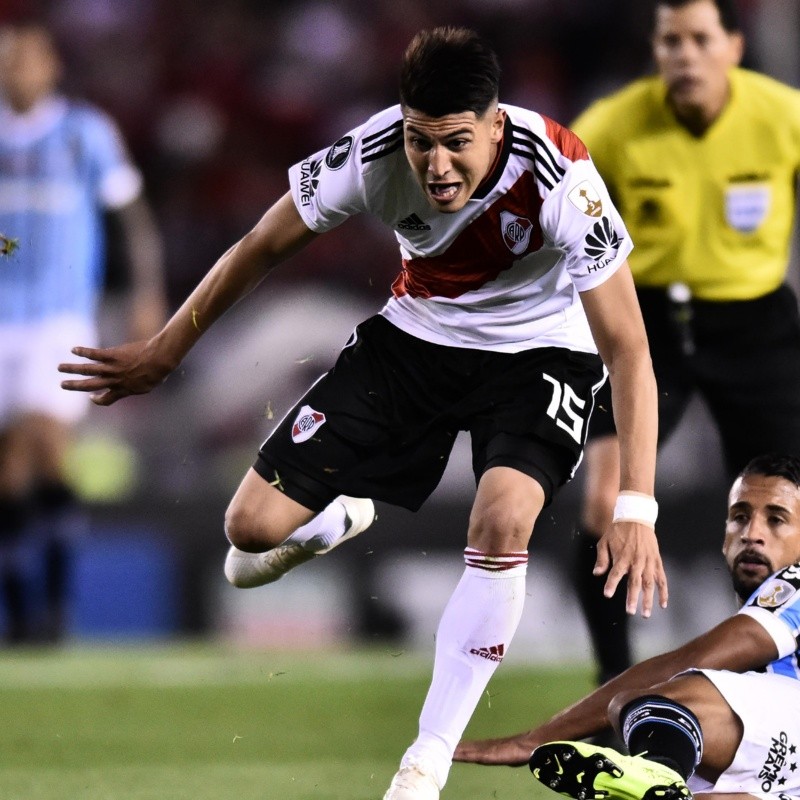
62, 166
720, 714
514, 275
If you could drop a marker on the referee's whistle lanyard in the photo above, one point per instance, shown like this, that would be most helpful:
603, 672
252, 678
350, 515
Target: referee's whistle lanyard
679, 298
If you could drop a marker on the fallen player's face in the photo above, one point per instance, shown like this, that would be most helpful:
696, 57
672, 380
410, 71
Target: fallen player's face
694, 53
451, 155
762, 532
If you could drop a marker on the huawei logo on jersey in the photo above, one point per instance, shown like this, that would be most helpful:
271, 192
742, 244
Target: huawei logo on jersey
516, 232
602, 243
306, 422
309, 180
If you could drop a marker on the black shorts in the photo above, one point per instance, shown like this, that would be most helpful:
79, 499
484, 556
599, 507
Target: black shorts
745, 365
382, 422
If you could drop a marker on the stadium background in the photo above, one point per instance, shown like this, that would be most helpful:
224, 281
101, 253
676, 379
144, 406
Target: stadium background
216, 100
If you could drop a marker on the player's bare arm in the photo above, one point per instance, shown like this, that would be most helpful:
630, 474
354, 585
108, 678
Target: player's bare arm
137, 367
629, 547
738, 644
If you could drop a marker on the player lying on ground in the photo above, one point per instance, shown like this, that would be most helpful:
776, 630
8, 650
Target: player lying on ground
721, 713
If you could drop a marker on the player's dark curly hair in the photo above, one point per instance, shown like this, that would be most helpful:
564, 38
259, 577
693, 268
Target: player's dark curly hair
448, 71
728, 12
774, 465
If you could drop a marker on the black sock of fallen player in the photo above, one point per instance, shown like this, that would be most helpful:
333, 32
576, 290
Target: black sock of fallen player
663, 731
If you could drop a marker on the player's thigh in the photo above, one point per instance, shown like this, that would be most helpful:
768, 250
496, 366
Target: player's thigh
261, 516
732, 796
49, 438
48, 344
17, 461
767, 707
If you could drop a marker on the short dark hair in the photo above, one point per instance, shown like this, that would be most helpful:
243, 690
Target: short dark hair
728, 11
774, 465
448, 71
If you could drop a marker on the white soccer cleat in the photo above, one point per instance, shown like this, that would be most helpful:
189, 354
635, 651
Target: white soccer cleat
412, 782
248, 570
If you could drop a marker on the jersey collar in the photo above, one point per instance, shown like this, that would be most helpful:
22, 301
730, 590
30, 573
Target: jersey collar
499, 165
22, 129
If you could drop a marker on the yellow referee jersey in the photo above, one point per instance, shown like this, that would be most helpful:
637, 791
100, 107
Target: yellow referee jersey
715, 211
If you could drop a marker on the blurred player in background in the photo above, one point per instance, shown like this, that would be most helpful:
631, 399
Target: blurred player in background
509, 277
63, 165
702, 162
731, 724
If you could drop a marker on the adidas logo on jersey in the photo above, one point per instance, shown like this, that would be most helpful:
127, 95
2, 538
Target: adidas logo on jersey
493, 653
413, 223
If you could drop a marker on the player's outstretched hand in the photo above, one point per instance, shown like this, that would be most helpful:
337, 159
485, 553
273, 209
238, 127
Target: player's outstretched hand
511, 751
630, 548
115, 372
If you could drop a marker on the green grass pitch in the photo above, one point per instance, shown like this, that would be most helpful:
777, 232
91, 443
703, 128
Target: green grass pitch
199, 722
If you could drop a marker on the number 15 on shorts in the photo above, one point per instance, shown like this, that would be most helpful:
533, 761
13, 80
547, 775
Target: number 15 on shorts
565, 408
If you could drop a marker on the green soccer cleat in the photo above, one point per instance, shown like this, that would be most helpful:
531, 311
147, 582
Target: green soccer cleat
587, 772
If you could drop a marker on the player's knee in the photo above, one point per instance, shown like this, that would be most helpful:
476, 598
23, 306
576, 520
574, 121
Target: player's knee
499, 527
246, 530
618, 703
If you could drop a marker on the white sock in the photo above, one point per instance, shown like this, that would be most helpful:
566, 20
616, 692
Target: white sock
323, 530
474, 633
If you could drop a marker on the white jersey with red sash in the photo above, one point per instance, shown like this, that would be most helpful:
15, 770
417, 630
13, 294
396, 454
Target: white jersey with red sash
501, 274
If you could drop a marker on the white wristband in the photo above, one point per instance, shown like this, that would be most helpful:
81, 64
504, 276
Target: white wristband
636, 507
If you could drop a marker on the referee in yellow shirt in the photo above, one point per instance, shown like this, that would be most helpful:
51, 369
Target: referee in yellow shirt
702, 160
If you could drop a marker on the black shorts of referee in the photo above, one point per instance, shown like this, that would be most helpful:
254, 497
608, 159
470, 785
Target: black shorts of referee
742, 357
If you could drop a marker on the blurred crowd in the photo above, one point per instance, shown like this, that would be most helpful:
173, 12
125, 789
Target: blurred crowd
217, 99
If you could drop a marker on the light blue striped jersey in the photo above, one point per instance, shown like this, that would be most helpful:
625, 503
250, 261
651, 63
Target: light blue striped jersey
776, 606
61, 164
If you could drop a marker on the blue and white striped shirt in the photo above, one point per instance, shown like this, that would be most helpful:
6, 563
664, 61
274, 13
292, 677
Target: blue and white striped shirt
776, 606
61, 164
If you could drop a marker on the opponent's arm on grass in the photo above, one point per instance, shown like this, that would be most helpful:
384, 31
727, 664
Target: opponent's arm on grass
738, 644
137, 367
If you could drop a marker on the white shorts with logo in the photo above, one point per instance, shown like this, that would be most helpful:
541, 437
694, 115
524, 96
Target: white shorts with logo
767, 763
29, 357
